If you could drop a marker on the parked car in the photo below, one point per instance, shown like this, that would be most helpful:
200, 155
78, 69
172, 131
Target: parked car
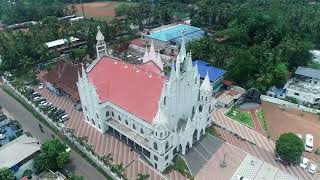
2, 136
68, 149
64, 118
40, 86
309, 143
312, 168
304, 163
37, 98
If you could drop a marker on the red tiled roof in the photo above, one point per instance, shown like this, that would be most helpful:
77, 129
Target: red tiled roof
127, 86
150, 66
138, 42
227, 82
64, 75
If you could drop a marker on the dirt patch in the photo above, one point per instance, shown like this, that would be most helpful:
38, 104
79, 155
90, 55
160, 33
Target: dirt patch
98, 9
280, 120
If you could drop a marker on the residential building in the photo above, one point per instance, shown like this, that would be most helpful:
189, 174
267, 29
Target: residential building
168, 39
156, 115
61, 79
18, 154
305, 86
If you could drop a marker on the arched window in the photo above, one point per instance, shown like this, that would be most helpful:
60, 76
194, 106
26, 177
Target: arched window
99, 126
94, 123
165, 100
141, 130
97, 115
195, 82
155, 146
201, 98
112, 113
87, 118
119, 117
85, 107
107, 114
209, 108
161, 135
127, 122
206, 98
134, 127
167, 145
200, 108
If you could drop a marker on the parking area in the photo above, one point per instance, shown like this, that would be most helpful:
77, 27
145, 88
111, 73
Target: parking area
10, 129
280, 120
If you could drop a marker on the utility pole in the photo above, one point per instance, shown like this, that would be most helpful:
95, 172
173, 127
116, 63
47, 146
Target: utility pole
82, 8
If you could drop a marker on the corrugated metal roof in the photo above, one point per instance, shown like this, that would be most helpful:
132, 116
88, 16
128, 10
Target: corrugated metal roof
308, 72
173, 33
204, 68
213, 72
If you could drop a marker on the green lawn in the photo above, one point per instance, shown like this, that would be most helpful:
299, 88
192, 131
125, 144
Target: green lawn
181, 166
240, 116
262, 120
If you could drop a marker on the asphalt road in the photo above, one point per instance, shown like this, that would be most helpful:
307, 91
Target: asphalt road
77, 164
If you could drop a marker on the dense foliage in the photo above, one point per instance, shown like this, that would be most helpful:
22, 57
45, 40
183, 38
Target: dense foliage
257, 42
22, 50
12, 12
6, 174
53, 156
289, 147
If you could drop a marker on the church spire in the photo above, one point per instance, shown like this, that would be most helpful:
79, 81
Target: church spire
101, 47
146, 56
206, 86
159, 62
84, 74
152, 53
183, 52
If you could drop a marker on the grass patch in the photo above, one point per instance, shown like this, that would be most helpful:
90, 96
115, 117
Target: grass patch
211, 130
181, 166
242, 117
261, 118
314, 65
15, 96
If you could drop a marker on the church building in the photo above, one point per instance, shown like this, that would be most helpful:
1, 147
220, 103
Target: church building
156, 115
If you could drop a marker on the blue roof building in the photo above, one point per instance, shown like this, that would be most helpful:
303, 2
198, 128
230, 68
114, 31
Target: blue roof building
215, 74
174, 34
168, 38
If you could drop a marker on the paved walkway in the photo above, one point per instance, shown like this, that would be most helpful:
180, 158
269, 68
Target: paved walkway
253, 136
263, 154
105, 143
256, 121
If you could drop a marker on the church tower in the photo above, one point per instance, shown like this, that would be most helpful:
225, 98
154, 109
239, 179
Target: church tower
101, 45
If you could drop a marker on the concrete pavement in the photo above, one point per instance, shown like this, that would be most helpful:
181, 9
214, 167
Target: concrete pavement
78, 165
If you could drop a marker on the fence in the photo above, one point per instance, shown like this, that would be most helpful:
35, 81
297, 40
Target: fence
289, 104
63, 130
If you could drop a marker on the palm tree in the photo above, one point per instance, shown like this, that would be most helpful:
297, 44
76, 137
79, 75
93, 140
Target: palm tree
120, 170
143, 176
71, 132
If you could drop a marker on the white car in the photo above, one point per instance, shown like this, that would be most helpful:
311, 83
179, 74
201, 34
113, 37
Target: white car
304, 163
309, 143
41, 86
312, 168
2, 136
68, 149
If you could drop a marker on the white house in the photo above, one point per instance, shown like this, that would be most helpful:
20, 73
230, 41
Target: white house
305, 87
158, 116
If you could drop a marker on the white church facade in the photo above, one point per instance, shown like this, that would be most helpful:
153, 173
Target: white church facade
156, 115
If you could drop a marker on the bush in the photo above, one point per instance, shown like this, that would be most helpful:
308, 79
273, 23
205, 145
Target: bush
28, 173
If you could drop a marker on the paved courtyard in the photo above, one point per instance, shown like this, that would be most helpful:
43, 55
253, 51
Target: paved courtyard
105, 143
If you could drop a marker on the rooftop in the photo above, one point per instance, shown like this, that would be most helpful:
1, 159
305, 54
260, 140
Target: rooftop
59, 42
204, 67
302, 86
64, 75
18, 150
173, 33
128, 86
308, 72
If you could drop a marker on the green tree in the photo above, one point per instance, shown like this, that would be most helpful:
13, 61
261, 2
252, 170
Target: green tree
53, 156
6, 174
143, 176
78, 54
289, 147
75, 177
